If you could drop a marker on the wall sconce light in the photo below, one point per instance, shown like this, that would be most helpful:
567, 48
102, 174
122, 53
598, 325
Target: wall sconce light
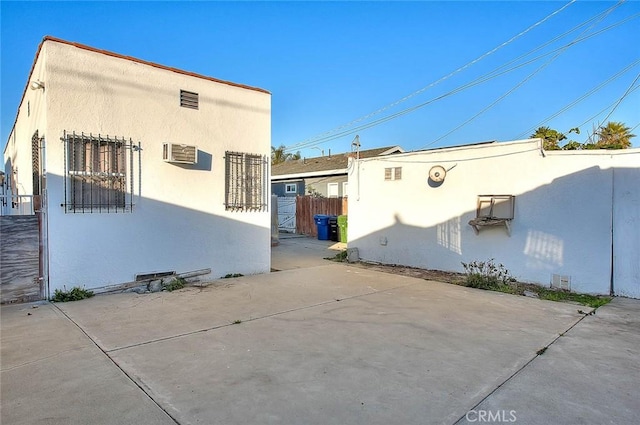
36, 84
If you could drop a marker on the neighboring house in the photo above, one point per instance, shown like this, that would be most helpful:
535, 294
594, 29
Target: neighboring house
563, 218
141, 168
324, 176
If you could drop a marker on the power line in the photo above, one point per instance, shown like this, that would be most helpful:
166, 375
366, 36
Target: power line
629, 89
477, 81
462, 68
520, 84
605, 108
486, 77
580, 99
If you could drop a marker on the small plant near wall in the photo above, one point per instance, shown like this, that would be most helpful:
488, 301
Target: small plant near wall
487, 275
174, 284
75, 294
232, 275
340, 257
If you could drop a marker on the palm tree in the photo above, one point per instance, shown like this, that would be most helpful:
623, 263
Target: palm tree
550, 138
614, 135
278, 155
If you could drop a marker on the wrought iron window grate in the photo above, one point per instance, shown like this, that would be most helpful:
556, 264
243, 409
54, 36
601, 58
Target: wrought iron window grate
98, 170
245, 182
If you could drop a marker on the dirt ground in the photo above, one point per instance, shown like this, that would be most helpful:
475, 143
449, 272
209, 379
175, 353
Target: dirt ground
438, 275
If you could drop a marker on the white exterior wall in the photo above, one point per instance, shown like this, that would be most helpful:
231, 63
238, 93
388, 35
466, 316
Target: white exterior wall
179, 220
31, 117
626, 213
563, 211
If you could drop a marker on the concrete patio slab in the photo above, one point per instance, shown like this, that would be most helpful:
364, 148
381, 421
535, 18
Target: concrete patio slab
329, 344
325, 344
296, 252
122, 320
51, 373
590, 375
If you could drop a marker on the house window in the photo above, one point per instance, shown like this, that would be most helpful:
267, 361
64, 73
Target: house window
96, 173
291, 188
188, 99
245, 182
332, 190
345, 186
393, 173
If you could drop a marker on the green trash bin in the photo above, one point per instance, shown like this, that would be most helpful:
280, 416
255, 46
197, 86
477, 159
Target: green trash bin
342, 227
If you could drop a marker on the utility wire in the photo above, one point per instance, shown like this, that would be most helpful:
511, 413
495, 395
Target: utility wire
605, 108
417, 92
578, 100
629, 89
520, 84
475, 82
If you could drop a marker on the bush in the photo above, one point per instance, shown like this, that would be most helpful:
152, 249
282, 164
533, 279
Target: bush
486, 275
75, 294
177, 283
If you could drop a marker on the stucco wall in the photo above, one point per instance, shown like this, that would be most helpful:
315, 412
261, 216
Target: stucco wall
31, 117
179, 220
320, 184
563, 211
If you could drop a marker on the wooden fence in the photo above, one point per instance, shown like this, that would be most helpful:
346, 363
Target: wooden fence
308, 206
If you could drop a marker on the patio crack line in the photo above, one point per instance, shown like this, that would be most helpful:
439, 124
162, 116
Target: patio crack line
517, 372
144, 391
212, 328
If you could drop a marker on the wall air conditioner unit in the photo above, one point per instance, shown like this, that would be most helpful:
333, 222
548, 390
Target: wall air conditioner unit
182, 154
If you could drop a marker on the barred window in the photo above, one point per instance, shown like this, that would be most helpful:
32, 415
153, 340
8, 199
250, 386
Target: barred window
245, 181
96, 173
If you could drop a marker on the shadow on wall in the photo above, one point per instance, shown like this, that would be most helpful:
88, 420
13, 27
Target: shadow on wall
203, 162
563, 228
97, 249
81, 79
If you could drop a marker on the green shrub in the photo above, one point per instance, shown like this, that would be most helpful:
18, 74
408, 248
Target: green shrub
487, 275
176, 283
593, 301
340, 257
75, 294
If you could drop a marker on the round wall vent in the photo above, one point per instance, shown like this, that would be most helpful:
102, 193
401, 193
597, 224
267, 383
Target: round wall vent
437, 173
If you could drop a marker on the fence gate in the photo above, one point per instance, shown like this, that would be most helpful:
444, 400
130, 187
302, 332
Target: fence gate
308, 206
19, 255
287, 214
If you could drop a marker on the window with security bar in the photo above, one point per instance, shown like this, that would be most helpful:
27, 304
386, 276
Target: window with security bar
245, 181
98, 169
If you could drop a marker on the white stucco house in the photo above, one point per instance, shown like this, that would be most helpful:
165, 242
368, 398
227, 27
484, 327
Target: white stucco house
565, 218
141, 168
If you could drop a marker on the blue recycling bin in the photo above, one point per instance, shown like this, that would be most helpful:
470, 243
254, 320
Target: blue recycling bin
322, 224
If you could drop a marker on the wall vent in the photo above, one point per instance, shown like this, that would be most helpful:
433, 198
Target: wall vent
183, 154
188, 99
561, 282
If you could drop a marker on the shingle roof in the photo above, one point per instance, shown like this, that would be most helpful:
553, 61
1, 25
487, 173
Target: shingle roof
337, 162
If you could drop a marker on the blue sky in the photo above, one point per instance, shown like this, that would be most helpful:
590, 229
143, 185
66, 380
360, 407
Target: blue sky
328, 64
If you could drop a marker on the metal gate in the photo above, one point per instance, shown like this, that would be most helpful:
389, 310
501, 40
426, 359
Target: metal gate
287, 214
